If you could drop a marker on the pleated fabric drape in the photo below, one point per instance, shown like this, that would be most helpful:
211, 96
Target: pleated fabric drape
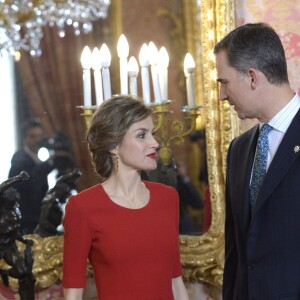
52, 86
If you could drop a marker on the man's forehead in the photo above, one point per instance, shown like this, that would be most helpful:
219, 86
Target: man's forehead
221, 59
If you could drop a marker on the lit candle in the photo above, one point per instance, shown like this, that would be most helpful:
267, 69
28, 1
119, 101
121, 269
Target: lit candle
123, 52
153, 58
144, 63
163, 63
86, 66
96, 65
133, 70
189, 67
105, 62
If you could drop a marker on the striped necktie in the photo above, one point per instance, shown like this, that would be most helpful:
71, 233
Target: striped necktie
260, 163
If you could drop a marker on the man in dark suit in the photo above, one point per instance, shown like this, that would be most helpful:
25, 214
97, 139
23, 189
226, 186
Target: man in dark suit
262, 235
26, 159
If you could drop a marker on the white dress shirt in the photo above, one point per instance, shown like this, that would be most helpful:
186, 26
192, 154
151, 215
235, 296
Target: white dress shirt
280, 123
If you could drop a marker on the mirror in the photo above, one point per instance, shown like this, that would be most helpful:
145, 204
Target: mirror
202, 255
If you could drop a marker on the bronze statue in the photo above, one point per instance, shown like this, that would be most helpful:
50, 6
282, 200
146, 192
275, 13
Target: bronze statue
53, 203
10, 219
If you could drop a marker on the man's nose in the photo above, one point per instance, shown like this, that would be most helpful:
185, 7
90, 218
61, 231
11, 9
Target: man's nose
223, 94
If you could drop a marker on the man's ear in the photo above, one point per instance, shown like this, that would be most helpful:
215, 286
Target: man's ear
253, 76
257, 78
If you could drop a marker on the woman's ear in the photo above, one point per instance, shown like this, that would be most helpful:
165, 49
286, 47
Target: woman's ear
114, 151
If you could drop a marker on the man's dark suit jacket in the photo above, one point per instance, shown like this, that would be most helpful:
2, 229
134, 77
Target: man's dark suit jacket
262, 251
31, 192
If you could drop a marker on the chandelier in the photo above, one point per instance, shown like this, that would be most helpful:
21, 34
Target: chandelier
22, 21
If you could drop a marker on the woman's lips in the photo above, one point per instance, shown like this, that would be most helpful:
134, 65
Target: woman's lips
152, 155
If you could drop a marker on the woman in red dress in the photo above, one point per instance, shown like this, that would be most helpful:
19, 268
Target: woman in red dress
126, 227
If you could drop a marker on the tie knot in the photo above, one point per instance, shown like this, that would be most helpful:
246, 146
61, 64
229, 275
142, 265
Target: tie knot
265, 129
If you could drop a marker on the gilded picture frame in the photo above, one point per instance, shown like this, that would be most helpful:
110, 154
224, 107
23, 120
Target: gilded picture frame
203, 256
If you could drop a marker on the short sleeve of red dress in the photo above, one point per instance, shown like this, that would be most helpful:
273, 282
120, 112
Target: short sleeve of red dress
77, 241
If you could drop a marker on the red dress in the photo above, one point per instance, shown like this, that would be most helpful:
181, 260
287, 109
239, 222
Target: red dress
134, 252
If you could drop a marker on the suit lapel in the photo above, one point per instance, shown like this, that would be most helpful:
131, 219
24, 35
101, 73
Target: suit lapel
246, 153
283, 160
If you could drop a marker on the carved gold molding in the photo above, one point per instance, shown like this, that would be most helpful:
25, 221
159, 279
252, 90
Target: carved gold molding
203, 256
47, 267
193, 34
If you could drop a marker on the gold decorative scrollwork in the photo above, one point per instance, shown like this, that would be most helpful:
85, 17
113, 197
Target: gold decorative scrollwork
203, 256
174, 133
47, 267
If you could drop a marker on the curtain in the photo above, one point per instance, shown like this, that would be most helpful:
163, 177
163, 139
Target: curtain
52, 86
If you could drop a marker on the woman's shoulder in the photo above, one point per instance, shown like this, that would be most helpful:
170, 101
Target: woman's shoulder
164, 197
160, 190
91, 190
87, 196
158, 186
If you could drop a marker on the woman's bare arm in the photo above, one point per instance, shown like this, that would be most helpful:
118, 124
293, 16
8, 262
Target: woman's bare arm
73, 294
179, 290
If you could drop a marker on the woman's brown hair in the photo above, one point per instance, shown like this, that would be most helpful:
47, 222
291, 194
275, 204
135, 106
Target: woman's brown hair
108, 127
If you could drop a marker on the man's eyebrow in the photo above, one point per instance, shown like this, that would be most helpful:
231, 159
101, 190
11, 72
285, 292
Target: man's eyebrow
221, 80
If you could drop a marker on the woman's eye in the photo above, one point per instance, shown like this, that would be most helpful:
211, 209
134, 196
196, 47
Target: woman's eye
141, 135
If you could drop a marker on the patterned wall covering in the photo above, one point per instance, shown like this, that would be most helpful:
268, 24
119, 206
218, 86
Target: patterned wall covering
284, 17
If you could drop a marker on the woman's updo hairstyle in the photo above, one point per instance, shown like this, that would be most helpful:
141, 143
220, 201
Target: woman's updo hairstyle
108, 127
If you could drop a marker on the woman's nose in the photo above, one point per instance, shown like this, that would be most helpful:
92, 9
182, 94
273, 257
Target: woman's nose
154, 143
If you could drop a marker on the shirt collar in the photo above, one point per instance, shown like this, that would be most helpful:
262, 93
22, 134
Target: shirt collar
282, 120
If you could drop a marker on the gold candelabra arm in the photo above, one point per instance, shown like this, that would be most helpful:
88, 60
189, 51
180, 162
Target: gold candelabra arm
161, 111
178, 127
166, 134
87, 113
174, 133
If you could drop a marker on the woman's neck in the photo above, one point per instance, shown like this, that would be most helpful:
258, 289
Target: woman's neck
127, 186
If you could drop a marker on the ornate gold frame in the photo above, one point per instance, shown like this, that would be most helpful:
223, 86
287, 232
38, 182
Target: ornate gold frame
202, 256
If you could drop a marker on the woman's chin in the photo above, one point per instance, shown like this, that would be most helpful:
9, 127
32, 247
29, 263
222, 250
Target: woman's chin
151, 167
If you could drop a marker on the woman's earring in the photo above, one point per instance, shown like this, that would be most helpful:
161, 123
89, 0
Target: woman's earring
117, 160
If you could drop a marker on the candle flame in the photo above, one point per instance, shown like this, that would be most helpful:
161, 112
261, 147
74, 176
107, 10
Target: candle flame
96, 59
144, 56
189, 64
123, 47
105, 56
133, 68
163, 57
153, 54
86, 57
